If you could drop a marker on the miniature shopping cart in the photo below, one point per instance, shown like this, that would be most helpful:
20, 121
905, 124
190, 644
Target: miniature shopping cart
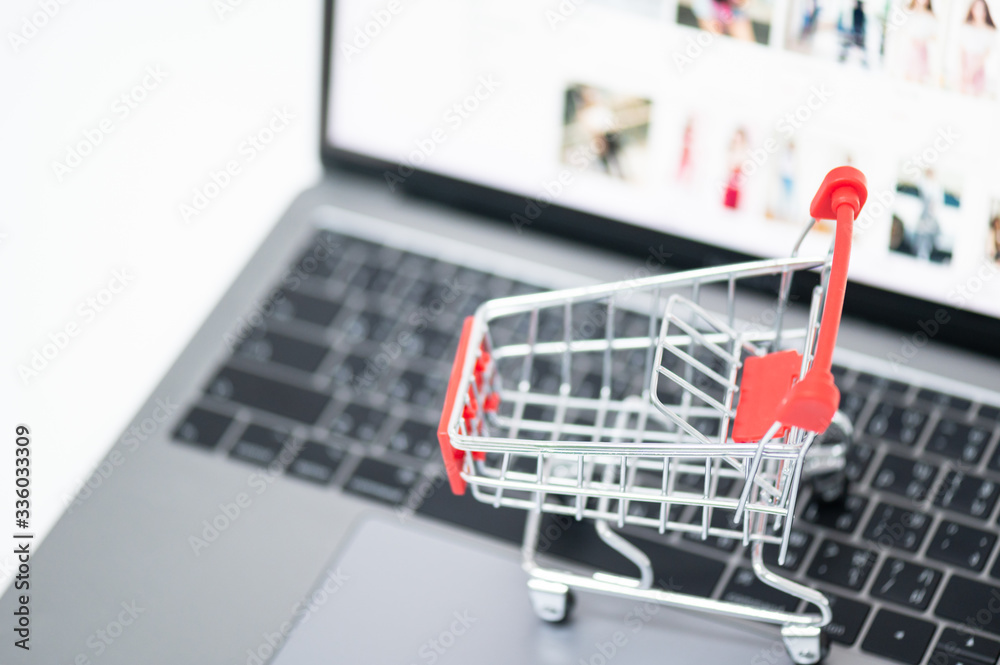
653, 404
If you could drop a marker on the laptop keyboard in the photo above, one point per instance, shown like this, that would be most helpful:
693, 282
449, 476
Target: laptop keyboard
339, 378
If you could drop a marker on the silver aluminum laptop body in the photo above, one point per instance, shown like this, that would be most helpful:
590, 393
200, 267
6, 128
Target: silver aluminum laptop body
392, 584
182, 556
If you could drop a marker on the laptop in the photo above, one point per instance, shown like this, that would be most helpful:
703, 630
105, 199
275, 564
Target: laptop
287, 502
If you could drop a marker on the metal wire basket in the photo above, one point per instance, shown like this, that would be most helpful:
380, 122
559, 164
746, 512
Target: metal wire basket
632, 405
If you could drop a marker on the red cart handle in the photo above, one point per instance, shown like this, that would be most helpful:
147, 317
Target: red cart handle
812, 402
453, 456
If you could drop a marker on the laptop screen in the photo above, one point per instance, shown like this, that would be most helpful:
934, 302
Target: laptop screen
713, 120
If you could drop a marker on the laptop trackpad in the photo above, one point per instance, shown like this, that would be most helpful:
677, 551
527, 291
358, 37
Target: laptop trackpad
403, 596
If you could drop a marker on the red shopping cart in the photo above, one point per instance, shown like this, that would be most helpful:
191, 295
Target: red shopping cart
545, 413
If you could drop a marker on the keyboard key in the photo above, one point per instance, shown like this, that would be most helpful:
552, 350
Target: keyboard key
891, 526
413, 264
471, 279
319, 260
680, 570
421, 292
316, 462
988, 412
906, 477
897, 388
433, 344
202, 428
744, 588
859, 456
259, 445
721, 519
358, 422
798, 546
356, 372
957, 441
498, 287
268, 395
995, 460
995, 570
842, 515
272, 347
418, 388
851, 403
947, 401
869, 383
371, 278
842, 565
865, 382
415, 439
896, 423
967, 494
438, 502
839, 372
439, 293
383, 482
907, 584
966, 648
350, 263
848, 617
295, 305
971, 604
550, 325
368, 326
546, 376
898, 637
961, 545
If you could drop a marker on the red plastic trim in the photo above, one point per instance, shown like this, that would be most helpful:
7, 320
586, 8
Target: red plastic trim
813, 401
763, 387
452, 456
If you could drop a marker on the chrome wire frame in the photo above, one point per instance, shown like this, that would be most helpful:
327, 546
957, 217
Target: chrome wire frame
602, 456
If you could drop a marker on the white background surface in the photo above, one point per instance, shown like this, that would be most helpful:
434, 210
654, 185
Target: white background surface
61, 242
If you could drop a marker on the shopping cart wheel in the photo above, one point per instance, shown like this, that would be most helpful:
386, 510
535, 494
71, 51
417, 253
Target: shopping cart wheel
827, 460
552, 601
831, 488
807, 645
